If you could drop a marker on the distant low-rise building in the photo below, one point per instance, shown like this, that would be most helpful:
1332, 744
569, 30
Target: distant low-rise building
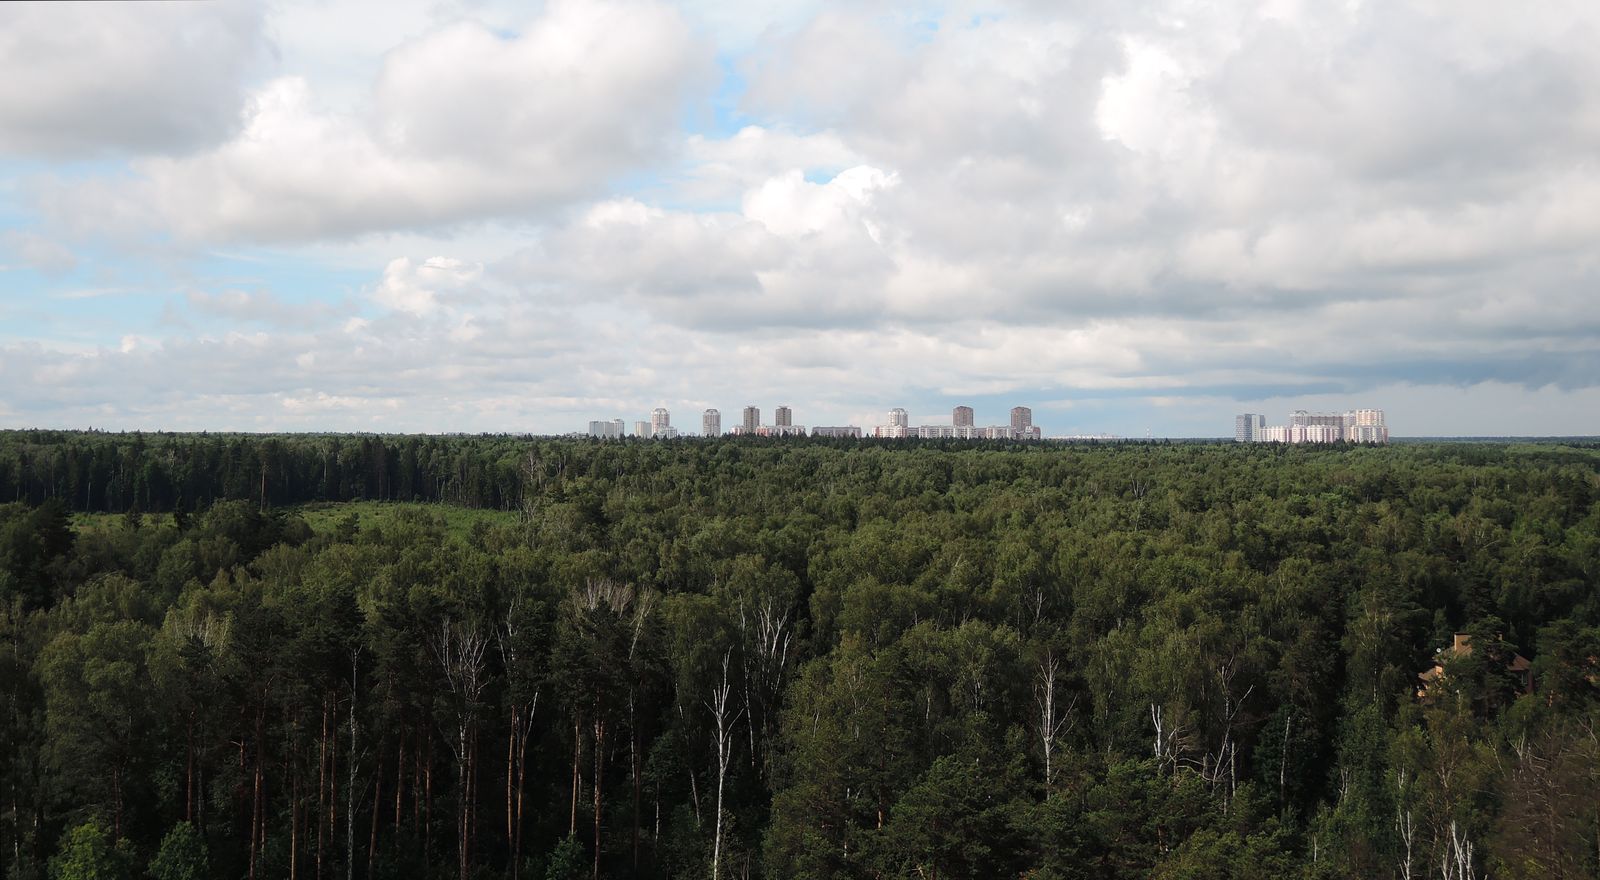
848, 431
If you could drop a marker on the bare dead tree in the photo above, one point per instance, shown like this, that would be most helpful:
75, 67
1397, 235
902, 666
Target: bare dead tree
1166, 738
767, 631
351, 761
724, 717
523, 707
1052, 722
1405, 824
1227, 756
1456, 863
459, 648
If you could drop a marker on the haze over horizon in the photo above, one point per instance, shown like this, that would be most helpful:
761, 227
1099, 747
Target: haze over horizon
483, 216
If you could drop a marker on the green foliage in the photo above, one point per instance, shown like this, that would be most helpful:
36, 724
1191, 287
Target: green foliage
567, 861
88, 854
182, 855
511, 657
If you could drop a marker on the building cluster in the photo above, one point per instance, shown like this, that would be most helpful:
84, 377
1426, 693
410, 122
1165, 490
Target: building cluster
750, 424
961, 426
660, 425
1354, 426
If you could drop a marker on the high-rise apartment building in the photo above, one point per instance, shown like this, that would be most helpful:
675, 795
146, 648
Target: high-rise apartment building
898, 426
1247, 426
1021, 421
961, 417
608, 430
783, 417
1354, 426
1368, 417
711, 423
660, 421
641, 429
1300, 418
752, 419
1367, 426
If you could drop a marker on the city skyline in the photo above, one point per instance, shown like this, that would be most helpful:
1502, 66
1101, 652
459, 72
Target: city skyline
315, 215
896, 423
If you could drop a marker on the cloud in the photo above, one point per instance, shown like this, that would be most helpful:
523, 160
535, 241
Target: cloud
720, 170
797, 254
1110, 205
416, 288
81, 81
38, 252
262, 307
463, 124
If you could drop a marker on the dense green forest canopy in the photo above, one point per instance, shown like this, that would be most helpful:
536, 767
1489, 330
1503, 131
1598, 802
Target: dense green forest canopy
533, 658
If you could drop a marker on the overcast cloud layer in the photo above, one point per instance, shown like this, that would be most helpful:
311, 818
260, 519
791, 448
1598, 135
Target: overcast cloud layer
1133, 216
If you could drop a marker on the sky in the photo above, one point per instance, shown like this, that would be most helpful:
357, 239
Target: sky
1138, 218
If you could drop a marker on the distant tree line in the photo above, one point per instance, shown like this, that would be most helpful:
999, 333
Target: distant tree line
165, 472
795, 660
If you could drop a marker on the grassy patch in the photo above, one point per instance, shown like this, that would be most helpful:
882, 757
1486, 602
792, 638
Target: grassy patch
325, 516
458, 521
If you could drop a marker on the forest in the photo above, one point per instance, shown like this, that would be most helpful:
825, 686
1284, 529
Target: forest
353, 656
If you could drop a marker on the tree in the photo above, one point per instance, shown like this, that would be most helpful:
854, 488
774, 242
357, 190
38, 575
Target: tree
88, 854
459, 647
949, 825
1054, 719
724, 718
182, 855
97, 712
522, 636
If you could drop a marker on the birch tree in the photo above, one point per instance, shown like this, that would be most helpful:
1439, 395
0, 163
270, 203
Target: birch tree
724, 716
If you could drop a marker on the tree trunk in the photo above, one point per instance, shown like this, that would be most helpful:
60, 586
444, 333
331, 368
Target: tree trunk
350, 787
116, 802
377, 812
257, 797
462, 802
522, 788
516, 779
472, 794
427, 803
399, 781
577, 751
322, 788
599, 771
333, 776
637, 792
188, 780
511, 770
294, 822
724, 722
